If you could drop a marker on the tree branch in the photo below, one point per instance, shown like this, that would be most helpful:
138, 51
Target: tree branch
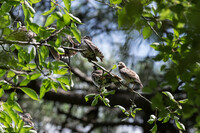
2, 42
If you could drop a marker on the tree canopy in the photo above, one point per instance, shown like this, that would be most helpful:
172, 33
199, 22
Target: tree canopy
47, 52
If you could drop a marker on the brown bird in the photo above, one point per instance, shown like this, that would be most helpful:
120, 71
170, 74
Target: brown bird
28, 120
21, 34
92, 51
104, 79
129, 75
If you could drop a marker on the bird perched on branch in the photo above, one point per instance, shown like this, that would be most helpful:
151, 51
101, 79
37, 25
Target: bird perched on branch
104, 79
21, 34
129, 75
92, 51
28, 120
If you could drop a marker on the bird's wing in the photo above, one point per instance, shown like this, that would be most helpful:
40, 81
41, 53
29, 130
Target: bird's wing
94, 49
91, 45
128, 73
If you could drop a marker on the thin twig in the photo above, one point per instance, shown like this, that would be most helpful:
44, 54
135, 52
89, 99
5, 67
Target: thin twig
147, 21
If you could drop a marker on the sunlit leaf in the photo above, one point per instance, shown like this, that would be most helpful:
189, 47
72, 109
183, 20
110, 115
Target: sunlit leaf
179, 124
67, 4
152, 119
50, 20
146, 32
154, 129
120, 107
168, 94
30, 92
49, 11
17, 107
1, 92
88, 96
76, 32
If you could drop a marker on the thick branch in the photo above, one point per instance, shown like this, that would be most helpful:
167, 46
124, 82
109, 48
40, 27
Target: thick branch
72, 97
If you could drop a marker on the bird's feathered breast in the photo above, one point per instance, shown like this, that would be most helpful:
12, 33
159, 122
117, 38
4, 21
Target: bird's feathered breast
128, 74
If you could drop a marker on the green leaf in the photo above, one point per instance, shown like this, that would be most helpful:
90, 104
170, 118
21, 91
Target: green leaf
120, 107
11, 99
109, 92
31, 10
46, 86
6, 86
115, 1
64, 80
114, 67
34, 1
30, 92
159, 24
168, 94
32, 54
66, 18
20, 126
35, 76
2, 72
183, 101
106, 101
6, 117
54, 85
5, 7
76, 32
166, 119
75, 19
179, 125
94, 102
61, 71
154, 129
24, 82
5, 20
88, 96
152, 119
1, 92
42, 92
146, 32
49, 11
50, 20
57, 15
14, 116
4, 122
67, 4
58, 43
17, 107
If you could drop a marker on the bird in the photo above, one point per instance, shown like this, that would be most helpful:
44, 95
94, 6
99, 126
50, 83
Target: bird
129, 75
28, 120
21, 34
92, 51
104, 79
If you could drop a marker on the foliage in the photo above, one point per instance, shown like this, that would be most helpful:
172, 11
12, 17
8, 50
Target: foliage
174, 23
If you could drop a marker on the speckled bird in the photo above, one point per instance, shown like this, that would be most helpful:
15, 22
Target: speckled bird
92, 51
103, 79
129, 75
